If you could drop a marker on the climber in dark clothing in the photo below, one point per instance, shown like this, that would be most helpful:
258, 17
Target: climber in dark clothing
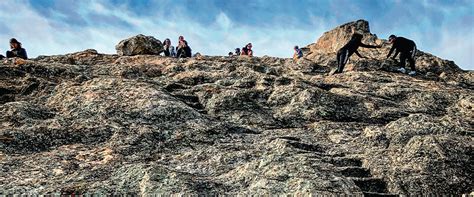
1, 57
347, 50
407, 50
16, 51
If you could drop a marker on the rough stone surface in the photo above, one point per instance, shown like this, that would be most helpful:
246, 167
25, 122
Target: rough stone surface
107, 124
139, 45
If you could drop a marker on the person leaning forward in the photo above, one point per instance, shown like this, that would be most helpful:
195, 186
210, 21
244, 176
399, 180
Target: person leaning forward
350, 48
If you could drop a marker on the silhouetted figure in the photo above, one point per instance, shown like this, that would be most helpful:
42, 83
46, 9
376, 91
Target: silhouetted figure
407, 50
350, 48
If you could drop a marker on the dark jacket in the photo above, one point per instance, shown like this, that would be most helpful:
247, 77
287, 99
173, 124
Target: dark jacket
184, 52
21, 53
401, 44
353, 45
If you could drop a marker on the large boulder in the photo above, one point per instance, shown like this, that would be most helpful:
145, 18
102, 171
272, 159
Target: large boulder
333, 40
139, 45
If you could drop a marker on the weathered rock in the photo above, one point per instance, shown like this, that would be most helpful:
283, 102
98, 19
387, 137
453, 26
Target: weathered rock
93, 123
323, 52
139, 45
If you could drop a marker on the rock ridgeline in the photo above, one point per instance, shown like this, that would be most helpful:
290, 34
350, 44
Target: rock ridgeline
90, 123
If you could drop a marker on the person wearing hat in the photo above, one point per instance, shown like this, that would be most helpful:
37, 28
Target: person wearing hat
347, 50
247, 50
16, 50
407, 50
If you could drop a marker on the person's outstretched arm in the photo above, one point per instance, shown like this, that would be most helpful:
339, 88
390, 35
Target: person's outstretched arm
368, 46
391, 50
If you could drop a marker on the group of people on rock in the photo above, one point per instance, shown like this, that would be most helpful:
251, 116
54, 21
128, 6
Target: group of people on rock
246, 51
182, 50
16, 50
406, 48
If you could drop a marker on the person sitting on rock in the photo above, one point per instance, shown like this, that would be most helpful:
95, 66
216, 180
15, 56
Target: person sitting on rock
184, 50
237, 51
247, 50
298, 53
347, 50
407, 50
17, 50
169, 49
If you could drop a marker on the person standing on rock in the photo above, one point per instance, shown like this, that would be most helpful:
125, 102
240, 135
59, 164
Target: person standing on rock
169, 49
247, 50
298, 53
347, 50
407, 50
16, 50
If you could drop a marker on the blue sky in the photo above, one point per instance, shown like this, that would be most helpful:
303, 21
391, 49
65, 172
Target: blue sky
214, 27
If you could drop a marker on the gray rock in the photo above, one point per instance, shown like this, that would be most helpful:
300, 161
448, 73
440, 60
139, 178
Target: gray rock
91, 123
139, 45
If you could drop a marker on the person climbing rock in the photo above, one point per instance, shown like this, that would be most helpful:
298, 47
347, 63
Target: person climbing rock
16, 50
347, 50
169, 49
247, 50
298, 53
407, 50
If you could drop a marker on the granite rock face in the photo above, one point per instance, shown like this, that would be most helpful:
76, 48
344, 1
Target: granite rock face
139, 45
107, 124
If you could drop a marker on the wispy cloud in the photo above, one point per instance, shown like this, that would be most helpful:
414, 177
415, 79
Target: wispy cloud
214, 27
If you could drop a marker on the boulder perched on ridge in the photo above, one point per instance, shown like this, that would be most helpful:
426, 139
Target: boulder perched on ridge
139, 45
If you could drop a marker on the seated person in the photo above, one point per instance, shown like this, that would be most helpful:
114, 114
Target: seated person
247, 50
169, 49
16, 51
183, 50
237, 51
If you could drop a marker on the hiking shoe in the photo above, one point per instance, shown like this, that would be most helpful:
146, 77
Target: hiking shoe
412, 73
402, 70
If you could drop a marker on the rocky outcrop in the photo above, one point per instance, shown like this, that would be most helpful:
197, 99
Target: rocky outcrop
108, 124
323, 52
139, 45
